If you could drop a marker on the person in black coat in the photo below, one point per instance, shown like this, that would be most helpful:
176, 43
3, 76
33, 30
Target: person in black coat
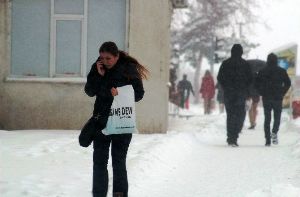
272, 83
235, 77
112, 69
184, 88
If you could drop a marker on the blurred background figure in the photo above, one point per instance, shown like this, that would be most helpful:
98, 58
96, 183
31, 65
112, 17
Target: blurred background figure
255, 65
172, 84
220, 97
184, 88
208, 91
253, 110
174, 96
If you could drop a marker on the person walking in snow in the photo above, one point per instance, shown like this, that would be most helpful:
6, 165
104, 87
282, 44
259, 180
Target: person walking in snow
254, 98
112, 69
184, 88
272, 83
207, 90
220, 97
235, 77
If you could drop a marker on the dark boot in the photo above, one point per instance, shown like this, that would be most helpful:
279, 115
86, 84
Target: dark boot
118, 194
235, 144
268, 142
229, 141
274, 138
252, 127
232, 143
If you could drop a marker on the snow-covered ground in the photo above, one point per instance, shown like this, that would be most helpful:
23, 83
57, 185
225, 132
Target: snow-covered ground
191, 160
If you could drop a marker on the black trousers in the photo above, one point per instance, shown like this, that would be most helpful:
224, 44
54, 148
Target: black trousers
236, 113
119, 146
276, 106
182, 100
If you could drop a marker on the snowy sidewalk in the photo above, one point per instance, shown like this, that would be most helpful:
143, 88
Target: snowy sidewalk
192, 160
199, 163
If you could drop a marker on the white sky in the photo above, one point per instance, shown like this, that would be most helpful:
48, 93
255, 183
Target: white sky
283, 17
283, 20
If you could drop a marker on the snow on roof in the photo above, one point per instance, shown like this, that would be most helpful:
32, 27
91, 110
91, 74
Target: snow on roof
292, 45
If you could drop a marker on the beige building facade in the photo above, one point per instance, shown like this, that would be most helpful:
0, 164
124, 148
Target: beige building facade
52, 100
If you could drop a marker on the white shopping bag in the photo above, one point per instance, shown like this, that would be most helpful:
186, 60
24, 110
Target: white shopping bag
122, 114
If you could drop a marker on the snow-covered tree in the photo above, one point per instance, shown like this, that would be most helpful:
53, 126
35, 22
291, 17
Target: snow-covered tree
196, 29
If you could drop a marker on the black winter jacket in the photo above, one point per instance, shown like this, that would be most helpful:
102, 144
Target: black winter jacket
272, 82
100, 86
235, 77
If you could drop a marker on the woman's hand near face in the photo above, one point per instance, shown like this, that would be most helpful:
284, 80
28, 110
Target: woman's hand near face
114, 91
100, 68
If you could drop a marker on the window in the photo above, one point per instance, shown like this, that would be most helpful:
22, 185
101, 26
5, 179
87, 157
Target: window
59, 38
30, 37
68, 38
106, 21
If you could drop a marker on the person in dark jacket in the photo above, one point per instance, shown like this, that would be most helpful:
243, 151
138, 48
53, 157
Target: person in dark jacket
272, 83
184, 88
112, 69
235, 77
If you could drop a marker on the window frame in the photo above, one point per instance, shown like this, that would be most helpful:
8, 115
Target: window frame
53, 23
53, 77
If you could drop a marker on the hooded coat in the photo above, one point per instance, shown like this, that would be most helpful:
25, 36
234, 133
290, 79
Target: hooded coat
272, 82
235, 75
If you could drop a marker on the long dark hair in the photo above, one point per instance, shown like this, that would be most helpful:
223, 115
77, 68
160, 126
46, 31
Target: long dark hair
111, 47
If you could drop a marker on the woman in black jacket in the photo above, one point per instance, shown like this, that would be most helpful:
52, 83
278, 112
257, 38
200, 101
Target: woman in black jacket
112, 69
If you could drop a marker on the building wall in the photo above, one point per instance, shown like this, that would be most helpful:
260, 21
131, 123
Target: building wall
63, 104
149, 41
4, 59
